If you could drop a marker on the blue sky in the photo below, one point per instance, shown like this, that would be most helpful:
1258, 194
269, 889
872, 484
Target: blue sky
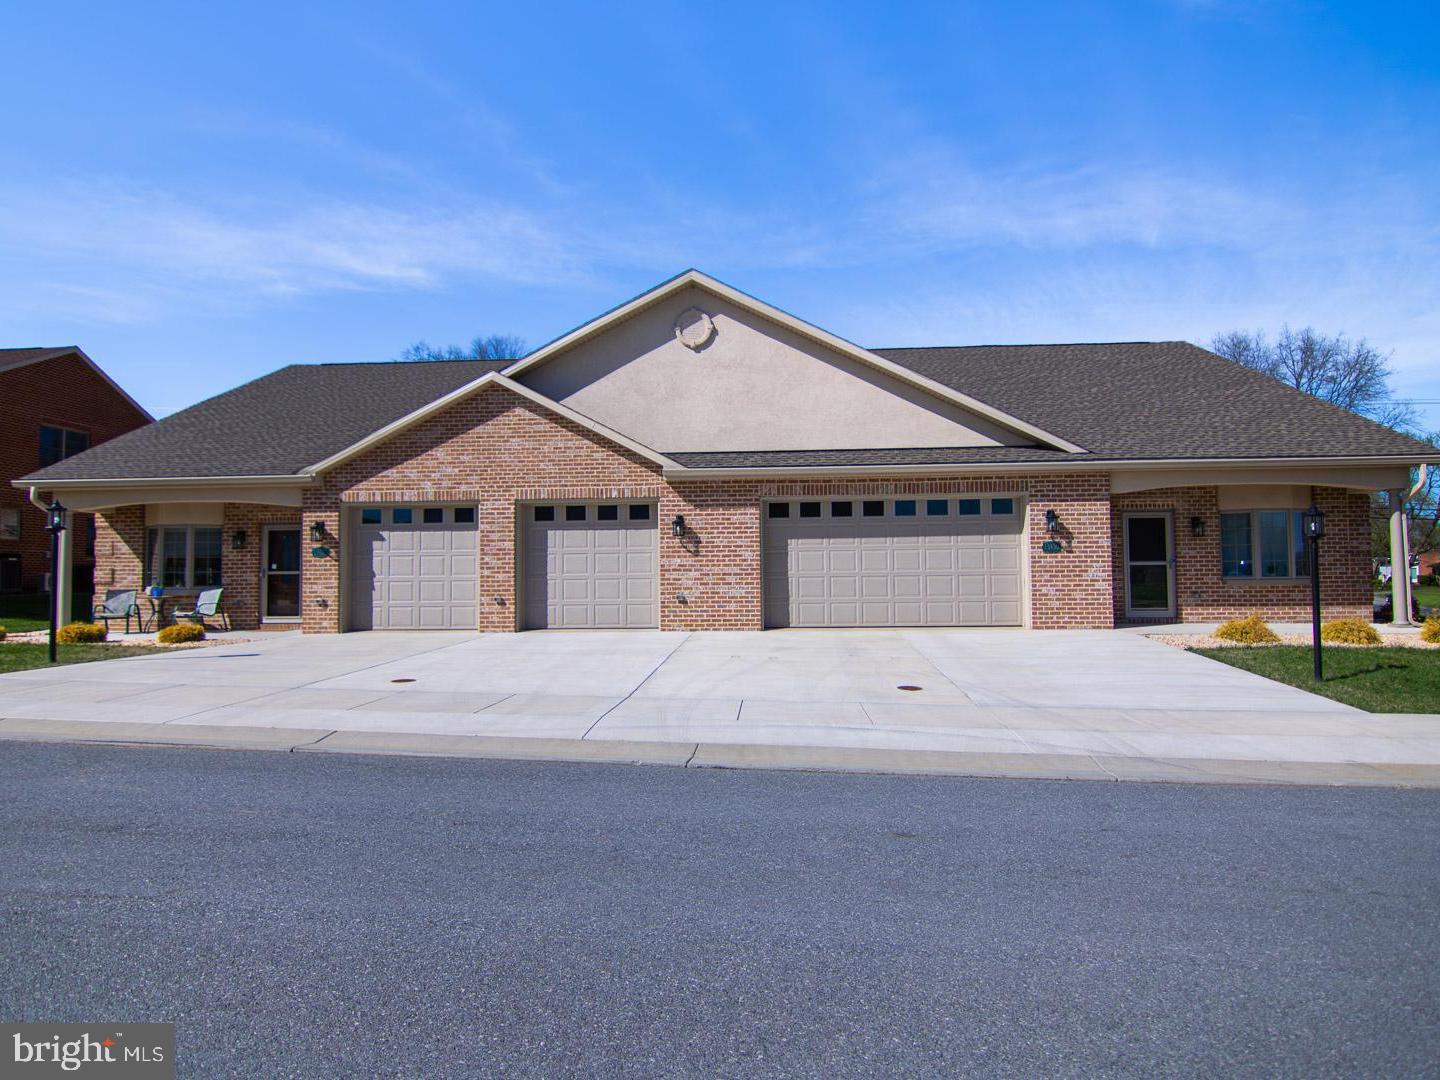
197, 196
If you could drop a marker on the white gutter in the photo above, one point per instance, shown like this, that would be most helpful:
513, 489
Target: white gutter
1419, 483
998, 468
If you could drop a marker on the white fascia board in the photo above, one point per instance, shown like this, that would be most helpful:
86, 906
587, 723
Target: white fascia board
287, 479
1087, 464
493, 378
799, 326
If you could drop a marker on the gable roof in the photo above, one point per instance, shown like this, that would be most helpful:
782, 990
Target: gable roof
1157, 400
695, 279
12, 359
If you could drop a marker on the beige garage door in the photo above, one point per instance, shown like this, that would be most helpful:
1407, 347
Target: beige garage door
922, 561
591, 566
413, 568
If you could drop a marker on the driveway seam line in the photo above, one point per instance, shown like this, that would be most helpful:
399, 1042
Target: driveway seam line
663, 661
491, 705
313, 742
1101, 767
693, 751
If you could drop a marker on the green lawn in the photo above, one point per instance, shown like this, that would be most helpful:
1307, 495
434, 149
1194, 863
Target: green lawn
15, 656
31, 611
1382, 679
1425, 595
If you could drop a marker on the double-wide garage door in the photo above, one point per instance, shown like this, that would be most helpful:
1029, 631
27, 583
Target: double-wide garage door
893, 562
591, 566
413, 568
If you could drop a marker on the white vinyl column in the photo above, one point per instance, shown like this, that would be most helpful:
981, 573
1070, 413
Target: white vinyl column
64, 574
1399, 558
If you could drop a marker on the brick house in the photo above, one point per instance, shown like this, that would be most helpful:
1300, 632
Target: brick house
698, 459
54, 403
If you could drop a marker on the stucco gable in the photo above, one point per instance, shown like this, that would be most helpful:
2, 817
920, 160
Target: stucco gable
762, 380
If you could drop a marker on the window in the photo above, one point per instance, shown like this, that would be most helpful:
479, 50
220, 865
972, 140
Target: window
639, 511
574, 513
904, 507
9, 524
1002, 506
402, 515
842, 509
966, 507
779, 510
183, 556
57, 444
1237, 557
607, 513
544, 513
1272, 540
937, 507
370, 516
433, 515
464, 515
873, 508
809, 509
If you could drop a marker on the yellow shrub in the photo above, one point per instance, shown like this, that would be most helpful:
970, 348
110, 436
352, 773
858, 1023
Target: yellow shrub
2, 633
80, 633
1349, 632
181, 633
1250, 630
1430, 632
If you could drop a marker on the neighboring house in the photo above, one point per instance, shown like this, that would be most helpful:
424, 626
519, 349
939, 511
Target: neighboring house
54, 403
697, 459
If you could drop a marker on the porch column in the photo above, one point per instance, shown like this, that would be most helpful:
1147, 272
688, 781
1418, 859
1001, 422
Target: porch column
1399, 559
64, 576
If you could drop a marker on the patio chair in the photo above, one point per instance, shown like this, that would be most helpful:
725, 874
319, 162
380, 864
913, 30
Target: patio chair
207, 606
118, 605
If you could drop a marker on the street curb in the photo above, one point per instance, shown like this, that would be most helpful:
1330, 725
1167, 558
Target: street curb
731, 755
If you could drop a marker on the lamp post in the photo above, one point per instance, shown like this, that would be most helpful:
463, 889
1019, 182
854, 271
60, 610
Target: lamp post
56, 526
1314, 525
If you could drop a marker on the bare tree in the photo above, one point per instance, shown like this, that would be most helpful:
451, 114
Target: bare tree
1352, 374
490, 347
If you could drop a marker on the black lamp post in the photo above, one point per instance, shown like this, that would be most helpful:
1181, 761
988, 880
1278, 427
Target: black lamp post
56, 526
1313, 521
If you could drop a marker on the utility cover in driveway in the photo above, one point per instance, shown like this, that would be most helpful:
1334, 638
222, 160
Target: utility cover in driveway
591, 565
922, 561
413, 568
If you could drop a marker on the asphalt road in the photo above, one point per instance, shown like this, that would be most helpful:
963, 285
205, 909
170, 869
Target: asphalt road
307, 915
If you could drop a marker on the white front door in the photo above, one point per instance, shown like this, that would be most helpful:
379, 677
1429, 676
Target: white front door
1150, 565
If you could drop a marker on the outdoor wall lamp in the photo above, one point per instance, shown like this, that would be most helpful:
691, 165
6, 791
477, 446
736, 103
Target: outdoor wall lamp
677, 527
317, 532
1197, 526
1052, 522
237, 540
57, 518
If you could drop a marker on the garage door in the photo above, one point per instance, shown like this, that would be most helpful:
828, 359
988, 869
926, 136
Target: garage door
413, 568
893, 562
591, 565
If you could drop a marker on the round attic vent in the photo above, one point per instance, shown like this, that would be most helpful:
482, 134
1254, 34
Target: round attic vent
694, 329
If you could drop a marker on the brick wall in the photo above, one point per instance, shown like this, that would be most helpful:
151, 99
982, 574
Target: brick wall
64, 392
1202, 595
119, 549
241, 570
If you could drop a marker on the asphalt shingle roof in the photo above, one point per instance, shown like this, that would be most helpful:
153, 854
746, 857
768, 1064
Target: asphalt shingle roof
10, 358
1124, 401
277, 425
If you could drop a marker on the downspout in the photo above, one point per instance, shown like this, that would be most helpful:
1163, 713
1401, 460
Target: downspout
1405, 537
64, 578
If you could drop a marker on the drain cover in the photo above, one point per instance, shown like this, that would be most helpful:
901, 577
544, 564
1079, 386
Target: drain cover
909, 687
412, 680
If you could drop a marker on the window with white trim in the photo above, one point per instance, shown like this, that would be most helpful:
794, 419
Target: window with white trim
9, 524
183, 556
1263, 545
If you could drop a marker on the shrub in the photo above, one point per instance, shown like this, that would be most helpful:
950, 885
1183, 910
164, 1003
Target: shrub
1430, 632
1349, 632
80, 633
2, 633
1250, 630
180, 633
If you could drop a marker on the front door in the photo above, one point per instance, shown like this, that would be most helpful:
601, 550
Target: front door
281, 599
1149, 566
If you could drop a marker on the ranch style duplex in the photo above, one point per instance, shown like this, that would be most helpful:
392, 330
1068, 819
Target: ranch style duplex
698, 459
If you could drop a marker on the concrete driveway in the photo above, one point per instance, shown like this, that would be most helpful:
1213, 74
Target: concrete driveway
1097, 694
